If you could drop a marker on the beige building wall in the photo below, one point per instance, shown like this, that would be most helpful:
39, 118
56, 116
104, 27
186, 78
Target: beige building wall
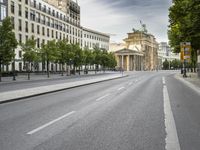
45, 22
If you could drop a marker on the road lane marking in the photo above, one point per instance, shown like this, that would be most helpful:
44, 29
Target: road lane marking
120, 88
50, 123
100, 98
171, 140
163, 80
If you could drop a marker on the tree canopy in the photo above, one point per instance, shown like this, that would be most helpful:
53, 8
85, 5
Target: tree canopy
8, 43
184, 23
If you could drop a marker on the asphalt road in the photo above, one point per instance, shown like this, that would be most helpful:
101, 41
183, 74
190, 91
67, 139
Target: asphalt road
123, 114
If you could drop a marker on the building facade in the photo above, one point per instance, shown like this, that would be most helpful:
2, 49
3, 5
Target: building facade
165, 53
141, 52
93, 38
46, 20
3, 9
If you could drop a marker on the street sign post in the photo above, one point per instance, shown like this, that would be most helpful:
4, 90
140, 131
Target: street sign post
185, 55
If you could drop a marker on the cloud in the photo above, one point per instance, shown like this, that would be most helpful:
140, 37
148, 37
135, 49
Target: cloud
120, 16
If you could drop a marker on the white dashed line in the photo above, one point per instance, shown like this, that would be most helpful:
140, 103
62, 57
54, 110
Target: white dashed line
171, 140
121, 88
50, 123
100, 98
163, 80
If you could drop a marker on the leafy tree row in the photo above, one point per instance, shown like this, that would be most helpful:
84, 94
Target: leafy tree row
185, 26
174, 64
66, 54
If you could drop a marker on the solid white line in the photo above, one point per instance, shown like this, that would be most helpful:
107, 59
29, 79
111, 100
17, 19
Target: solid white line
120, 88
163, 80
100, 98
171, 140
50, 123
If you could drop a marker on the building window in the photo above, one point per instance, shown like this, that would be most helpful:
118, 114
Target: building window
42, 19
52, 34
38, 29
48, 21
26, 38
37, 17
26, 13
60, 36
43, 31
20, 25
32, 15
12, 7
32, 27
26, 26
38, 43
20, 54
40, 6
20, 38
53, 13
44, 9
20, 66
3, 12
26, 2
49, 11
48, 32
56, 34
34, 4
20, 10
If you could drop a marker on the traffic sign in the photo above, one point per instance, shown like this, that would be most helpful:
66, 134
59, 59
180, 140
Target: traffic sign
185, 51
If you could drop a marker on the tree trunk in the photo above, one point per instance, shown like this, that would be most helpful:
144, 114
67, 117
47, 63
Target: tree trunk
62, 68
29, 70
48, 69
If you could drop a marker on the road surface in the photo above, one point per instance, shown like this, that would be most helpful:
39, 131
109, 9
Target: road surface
144, 111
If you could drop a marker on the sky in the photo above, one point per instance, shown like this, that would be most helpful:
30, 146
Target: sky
118, 17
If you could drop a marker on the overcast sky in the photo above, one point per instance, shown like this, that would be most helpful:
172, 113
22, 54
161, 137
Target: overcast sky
118, 17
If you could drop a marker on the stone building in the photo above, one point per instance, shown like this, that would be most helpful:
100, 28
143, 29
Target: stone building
47, 20
138, 53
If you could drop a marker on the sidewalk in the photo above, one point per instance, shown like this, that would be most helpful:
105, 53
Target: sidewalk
30, 92
192, 81
36, 77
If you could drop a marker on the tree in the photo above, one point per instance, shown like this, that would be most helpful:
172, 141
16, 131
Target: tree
49, 52
63, 53
97, 57
77, 57
185, 25
8, 43
176, 64
30, 53
112, 61
88, 57
165, 65
104, 60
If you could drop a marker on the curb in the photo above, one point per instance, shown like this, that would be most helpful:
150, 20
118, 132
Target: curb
54, 91
189, 84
